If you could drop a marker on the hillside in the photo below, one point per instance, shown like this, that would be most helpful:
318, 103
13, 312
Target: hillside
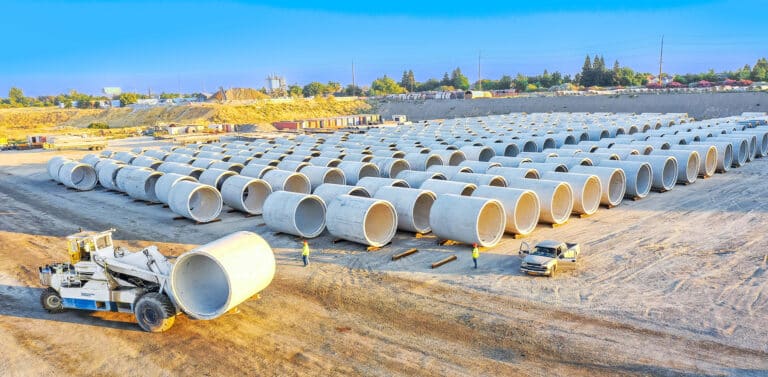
19, 122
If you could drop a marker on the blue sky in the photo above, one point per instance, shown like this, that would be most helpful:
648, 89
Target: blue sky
54, 46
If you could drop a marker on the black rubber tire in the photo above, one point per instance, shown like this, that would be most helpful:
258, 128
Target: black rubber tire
554, 271
51, 301
154, 312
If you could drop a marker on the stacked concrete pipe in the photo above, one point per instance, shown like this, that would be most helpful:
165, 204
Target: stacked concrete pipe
166, 182
707, 157
739, 148
319, 175
215, 177
587, 190
480, 179
293, 213
482, 220
416, 178
422, 161
140, 184
373, 184
228, 165
367, 221
281, 180
412, 206
612, 180
54, 165
147, 162
354, 171
389, 167
245, 194
450, 157
178, 168
687, 164
195, 201
724, 154
107, 173
511, 174
76, 175
256, 170
639, 176
522, 207
555, 197
441, 187
664, 169
329, 191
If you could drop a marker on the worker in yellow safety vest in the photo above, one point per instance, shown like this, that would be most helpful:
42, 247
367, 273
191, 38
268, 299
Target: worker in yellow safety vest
475, 253
305, 253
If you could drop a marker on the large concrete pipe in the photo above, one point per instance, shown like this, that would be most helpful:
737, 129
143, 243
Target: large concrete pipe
447, 171
416, 178
325, 161
388, 153
282, 180
724, 154
245, 194
204, 162
156, 153
545, 166
482, 220
217, 277
126, 157
421, 161
555, 197
586, 189
739, 147
412, 207
256, 170
363, 220
450, 157
357, 157
289, 165
481, 153
480, 179
639, 176
389, 166
544, 142
612, 180
354, 171
373, 184
687, 164
526, 145
53, 166
329, 191
536, 156
180, 158
761, 140
319, 175
195, 201
441, 187
301, 157
79, 176
664, 169
570, 162
522, 207
510, 162
147, 162
707, 157
505, 149
293, 213
215, 177
240, 159
90, 159
511, 174
480, 167
228, 165
141, 184
186, 151
107, 174
166, 182
122, 175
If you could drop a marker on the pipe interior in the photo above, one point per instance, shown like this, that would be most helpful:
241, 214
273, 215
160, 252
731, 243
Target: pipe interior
149, 186
486, 154
490, 223
367, 171
728, 156
204, 203
468, 190
433, 160
334, 176
616, 183
379, 224
669, 174
421, 210
254, 195
83, 176
310, 216
456, 158
692, 169
201, 285
359, 191
530, 146
532, 174
526, 212
590, 198
296, 183
397, 166
497, 182
562, 202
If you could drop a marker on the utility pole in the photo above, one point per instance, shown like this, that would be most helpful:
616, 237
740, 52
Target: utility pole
353, 77
479, 78
661, 58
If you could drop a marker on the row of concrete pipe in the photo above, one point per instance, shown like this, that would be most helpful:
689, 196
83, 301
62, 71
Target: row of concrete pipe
365, 187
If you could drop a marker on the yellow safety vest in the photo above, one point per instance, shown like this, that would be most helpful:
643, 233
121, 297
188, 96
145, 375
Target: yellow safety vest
305, 251
475, 253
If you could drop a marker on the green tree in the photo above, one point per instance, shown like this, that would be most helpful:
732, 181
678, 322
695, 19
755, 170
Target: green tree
313, 89
353, 90
458, 80
521, 82
128, 99
295, 91
429, 85
16, 97
332, 87
505, 82
446, 81
385, 85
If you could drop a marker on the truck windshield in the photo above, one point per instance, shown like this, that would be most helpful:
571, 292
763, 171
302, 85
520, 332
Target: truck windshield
543, 252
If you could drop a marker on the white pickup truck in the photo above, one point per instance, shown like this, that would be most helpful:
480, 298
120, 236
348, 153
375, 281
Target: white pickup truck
547, 257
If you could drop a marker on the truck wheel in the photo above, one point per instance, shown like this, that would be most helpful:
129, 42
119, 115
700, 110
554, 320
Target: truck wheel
554, 272
154, 312
51, 301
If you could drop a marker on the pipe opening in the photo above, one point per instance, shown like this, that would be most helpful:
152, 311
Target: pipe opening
296, 183
254, 195
616, 186
334, 176
204, 203
379, 224
590, 198
669, 174
692, 168
562, 203
310, 216
527, 213
204, 297
490, 224
359, 191
421, 210
530, 146
397, 166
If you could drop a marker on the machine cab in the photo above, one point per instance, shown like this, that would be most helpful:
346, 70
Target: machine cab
82, 245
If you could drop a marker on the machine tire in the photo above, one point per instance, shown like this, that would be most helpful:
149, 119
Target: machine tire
154, 312
51, 301
554, 271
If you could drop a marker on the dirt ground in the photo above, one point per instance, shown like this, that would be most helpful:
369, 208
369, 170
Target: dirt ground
674, 284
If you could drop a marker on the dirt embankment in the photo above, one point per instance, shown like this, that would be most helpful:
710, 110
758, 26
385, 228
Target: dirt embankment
699, 105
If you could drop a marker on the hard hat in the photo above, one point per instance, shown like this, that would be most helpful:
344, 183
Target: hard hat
474, 245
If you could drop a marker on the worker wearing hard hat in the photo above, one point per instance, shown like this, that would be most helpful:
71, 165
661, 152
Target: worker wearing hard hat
475, 253
305, 253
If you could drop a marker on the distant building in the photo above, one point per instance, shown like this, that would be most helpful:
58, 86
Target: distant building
276, 83
111, 91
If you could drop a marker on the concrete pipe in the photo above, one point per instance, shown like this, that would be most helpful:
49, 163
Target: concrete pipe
412, 207
511, 174
126, 157
302, 157
319, 175
613, 182
480, 179
505, 149
204, 162
79, 176
228, 165
639, 176
180, 158
522, 207
147, 162
761, 140
166, 182
664, 169
214, 156
540, 157
241, 159
217, 277
526, 145
481, 153
105, 161
373, 184
544, 142
141, 184
155, 153
293, 213
264, 161
106, 153
174, 167
447, 171
687, 164
357, 157
363, 220
707, 157
545, 166
586, 188
450, 157
107, 174
555, 198
724, 154
215, 177
325, 161
329, 191
187, 151
90, 159
480, 167
389, 167
421, 161
570, 162
511, 162
482, 220
293, 166
440, 187
54, 165
416, 178
282, 180
354, 171
256, 170
245, 194
739, 147
273, 156
195, 201
388, 153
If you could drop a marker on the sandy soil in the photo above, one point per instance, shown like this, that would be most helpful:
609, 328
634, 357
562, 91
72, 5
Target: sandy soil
674, 284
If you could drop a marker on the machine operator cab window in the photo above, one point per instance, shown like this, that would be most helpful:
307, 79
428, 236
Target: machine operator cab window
82, 245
